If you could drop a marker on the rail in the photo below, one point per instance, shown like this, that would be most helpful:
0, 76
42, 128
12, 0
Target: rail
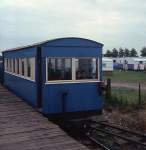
107, 135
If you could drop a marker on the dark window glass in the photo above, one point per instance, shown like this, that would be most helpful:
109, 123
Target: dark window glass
28, 67
86, 68
59, 69
13, 65
10, 65
7, 64
17, 60
22, 62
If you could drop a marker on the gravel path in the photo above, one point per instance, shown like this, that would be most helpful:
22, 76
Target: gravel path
128, 85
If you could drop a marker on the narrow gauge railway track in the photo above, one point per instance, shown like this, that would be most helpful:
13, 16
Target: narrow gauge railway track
107, 136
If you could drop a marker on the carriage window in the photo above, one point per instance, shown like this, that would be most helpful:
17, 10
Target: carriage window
86, 68
28, 61
17, 66
6, 64
8, 69
22, 65
59, 69
9, 65
14, 66
11, 62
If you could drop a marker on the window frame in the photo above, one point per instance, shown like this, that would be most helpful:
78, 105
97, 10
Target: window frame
97, 69
17, 62
22, 61
13, 65
28, 67
6, 64
17, 72
52, 81
32, 68
73, 68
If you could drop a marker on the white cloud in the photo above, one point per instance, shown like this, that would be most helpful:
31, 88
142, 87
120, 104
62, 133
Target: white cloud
115, 23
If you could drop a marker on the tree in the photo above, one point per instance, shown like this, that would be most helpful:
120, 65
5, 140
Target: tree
143, 52
133, 53
108, 53
126, 52
121, 52
115, 52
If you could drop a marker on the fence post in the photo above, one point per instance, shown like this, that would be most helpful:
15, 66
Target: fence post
139, 95
108, 89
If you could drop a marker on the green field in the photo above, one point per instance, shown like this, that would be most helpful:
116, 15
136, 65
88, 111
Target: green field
129, 95
128, 77
124, 95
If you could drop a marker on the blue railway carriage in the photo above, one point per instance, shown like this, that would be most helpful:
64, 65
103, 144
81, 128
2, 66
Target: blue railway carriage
61, 76
1, 68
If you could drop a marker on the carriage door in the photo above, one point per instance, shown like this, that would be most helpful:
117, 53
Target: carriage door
39, 77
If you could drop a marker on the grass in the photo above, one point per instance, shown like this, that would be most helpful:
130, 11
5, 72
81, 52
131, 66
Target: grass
123, 104
129, 95
122, 97
128, 77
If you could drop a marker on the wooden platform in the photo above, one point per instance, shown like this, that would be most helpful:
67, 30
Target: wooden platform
22, 128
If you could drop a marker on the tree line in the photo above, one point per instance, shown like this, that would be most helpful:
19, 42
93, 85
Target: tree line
125, 52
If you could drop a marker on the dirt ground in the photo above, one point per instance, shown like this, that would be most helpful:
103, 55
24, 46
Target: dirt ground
135, 120
128, 85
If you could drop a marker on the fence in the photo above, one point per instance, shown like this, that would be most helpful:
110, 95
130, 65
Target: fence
125, 97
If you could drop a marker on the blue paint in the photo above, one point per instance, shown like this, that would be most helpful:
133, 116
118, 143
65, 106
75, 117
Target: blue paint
80, 96
28, 52
24, 88
73, 42
118, 66
71, 51
130, 66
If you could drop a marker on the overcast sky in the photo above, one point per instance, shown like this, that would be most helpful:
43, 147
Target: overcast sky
114, 23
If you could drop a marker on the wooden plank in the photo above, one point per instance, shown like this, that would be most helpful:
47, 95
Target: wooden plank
22, 127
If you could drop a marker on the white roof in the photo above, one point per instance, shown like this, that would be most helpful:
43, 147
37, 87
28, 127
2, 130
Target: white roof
140, 59
107, 59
